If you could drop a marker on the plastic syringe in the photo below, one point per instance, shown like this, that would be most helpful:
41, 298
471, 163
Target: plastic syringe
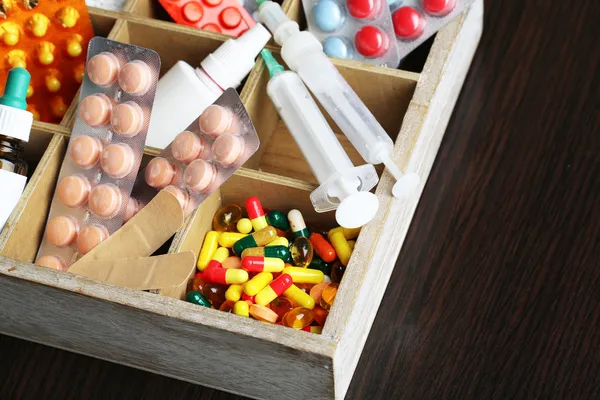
304, 54
342, 185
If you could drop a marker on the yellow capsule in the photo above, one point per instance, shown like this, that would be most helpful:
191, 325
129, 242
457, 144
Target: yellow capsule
58, 106
234, 292
52, 82
209, 247
67, 16
301, 298
256, 284
38, 24
265, 296
220, 254
45, 52
348, 233
74, 48
241, 308
304, 275
341, 246
244, 225
79, 72
280, 241
227, 239
9, 33
352, 243
17, 58
29, 92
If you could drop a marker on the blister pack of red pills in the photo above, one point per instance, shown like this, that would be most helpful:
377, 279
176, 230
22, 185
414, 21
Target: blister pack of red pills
202, 157
92, 197
222, 16
358, 30
417, 20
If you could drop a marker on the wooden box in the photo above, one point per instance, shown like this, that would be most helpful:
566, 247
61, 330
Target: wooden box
174, 338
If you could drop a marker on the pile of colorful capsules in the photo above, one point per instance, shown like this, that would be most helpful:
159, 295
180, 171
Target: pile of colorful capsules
270, 267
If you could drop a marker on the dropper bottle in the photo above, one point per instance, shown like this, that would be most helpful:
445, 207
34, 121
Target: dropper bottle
342, 185
15, 126
303, 53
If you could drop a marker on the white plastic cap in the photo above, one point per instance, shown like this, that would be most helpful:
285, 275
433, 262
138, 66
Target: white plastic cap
357, 210
15, 123
234, 59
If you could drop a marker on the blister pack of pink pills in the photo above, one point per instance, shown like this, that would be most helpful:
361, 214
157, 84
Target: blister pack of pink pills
202, 157
92, 197
415, 21
359, 30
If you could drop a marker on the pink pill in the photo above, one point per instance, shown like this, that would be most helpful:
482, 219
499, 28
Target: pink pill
181, 195
199, 175
105, 200
85, 151
117, 160
127, 119
187, 146
103, 68
95, 109
159, 173
216, 120
133, 207
62, 231
227, 148
73, 191
90, 237
52, 262
135, 77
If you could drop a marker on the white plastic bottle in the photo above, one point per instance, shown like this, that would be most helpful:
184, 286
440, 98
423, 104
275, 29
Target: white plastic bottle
184, 92
342, 185
304, 54
15, 126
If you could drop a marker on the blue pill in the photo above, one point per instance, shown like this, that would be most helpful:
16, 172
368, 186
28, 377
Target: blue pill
327, 16
336, 47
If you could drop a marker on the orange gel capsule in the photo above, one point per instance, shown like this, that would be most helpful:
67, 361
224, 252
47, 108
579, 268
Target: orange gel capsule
322, 247
298, 318
328, 296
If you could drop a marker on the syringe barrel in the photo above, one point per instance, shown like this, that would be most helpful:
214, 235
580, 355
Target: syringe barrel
343, 105
308, 126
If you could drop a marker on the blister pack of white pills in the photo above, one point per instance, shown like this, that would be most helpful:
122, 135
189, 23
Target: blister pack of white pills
92, 197
202, 157
415, 21
359, 30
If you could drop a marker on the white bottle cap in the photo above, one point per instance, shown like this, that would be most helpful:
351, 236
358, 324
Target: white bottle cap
15, 123
234, 59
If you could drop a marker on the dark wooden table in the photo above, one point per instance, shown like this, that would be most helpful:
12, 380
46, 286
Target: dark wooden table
496, 294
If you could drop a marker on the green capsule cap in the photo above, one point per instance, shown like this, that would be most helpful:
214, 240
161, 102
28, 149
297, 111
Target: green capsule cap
278, 219
281, 252
272, 64
318, 263
259, 2
15, 90
197, 298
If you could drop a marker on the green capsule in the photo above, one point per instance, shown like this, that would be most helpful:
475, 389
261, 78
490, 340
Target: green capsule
256, 239
281, 252
197, 298
278, 219
318, 263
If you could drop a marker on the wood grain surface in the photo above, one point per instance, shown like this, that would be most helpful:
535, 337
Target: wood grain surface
496, 293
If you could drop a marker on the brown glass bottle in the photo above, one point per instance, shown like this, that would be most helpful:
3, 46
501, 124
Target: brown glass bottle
11, 153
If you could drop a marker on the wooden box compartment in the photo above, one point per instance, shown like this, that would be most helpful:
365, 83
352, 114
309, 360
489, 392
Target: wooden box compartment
174, 338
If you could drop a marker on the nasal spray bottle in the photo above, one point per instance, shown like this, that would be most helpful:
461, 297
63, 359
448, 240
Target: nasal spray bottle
15, 126
184, 92
303, 53
342, 185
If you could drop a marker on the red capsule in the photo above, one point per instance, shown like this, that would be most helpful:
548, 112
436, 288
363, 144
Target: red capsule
254, 208
408, 23
371, 41
323, 248
364, 9
438, 8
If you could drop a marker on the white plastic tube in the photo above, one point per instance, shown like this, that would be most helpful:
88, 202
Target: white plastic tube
343, 186
303, 53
